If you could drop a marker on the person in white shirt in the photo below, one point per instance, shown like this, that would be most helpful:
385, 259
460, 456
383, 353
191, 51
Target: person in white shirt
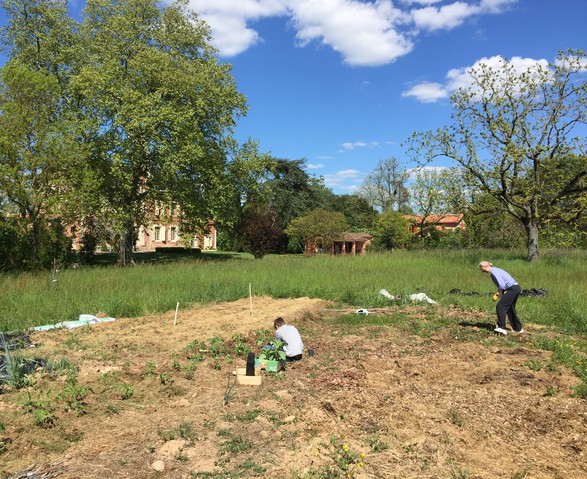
289, 334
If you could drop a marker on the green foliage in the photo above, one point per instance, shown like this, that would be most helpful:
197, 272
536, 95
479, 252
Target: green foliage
317, 230
392, 230
14, 367
522, 150
274, 352
73, 395
41, 408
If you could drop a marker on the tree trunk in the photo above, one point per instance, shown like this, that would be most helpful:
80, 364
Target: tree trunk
532, 232
127, 244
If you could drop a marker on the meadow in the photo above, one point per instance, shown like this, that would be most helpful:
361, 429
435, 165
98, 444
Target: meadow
415, 390
33, 299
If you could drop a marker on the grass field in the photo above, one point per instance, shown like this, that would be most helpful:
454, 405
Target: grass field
415, 390
152, 287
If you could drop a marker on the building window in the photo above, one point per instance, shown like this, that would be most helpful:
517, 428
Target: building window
172, 233
157, 233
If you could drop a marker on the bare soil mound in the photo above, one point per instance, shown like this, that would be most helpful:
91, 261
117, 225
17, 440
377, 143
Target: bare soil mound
373, 401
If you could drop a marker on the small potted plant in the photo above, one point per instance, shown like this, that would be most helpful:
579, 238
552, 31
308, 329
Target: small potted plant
272, 356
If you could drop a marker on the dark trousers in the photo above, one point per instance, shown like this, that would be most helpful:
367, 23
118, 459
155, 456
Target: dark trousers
506, 307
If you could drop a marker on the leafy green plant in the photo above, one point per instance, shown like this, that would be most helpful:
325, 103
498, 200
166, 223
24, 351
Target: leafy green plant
150, 370
166, 378
14, 367
61, 366
73, 395
41, 408
274, 352
534, 364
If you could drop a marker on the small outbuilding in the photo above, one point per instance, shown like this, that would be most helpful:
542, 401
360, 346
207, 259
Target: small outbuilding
352, 243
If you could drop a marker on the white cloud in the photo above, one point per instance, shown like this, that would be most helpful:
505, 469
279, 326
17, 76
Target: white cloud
340, 180
456, 78
358, 144
365, 33
315, 166
427, 92
447, 17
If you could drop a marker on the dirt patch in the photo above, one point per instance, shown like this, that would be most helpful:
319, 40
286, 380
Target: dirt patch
440, 405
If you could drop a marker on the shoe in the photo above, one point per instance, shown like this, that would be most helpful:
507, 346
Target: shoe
520, 331
501, 331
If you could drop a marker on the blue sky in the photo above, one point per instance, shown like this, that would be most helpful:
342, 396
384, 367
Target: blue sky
342, 83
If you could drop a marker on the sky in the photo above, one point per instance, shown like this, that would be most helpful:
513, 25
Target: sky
343, 83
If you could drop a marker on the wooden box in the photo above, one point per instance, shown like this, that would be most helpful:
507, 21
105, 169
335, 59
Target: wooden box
242, 378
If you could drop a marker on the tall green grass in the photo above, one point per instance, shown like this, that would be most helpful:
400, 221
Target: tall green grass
28, 300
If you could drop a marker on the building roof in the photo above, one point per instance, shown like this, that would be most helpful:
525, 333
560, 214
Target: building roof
438, 219
356, 237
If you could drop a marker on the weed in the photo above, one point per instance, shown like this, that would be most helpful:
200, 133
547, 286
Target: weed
455, 417
534, 364
376, 444
166, 379
175, 364
126, 390
182, 457
59, 367
229, 392
184, 430
73, 395
187, 432
551, 391
73, 342
522, 474
150, 370
581, 391
41, 408
189, 370
459, 473
342, 461
150, 448
235, 445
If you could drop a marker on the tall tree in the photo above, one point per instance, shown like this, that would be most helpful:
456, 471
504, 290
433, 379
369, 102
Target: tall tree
319, 228
359, 214
385, 187
36, 147
162, 106
429, 198
512, 132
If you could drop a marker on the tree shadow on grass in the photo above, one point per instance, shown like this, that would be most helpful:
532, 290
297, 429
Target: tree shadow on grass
158, 257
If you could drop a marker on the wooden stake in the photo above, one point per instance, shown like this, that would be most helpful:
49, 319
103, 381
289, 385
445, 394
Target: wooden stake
251, 299
175, 319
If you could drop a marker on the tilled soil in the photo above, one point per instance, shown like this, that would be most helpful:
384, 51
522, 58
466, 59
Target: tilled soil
455, 403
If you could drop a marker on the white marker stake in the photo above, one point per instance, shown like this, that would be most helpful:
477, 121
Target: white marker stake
251, 299
175, 319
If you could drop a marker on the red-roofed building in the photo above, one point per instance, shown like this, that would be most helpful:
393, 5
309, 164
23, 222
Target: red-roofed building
447, 222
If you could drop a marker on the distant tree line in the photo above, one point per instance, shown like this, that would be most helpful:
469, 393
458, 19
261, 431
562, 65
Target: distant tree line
103, 117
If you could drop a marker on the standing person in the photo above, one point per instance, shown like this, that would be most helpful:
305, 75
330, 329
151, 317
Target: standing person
508, 291
289, 334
